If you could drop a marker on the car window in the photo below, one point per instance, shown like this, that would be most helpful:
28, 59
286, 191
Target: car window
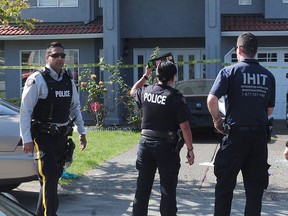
8, 109
195, 86
9, 207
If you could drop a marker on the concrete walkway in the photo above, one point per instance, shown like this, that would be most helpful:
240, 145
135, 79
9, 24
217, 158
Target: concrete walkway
108, 190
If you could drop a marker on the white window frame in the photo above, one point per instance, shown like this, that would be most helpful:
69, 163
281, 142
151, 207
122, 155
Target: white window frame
40, 61
100, 3
245, 2
2, 74
58, 3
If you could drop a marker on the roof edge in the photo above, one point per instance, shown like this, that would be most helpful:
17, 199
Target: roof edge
49, 37
256, 33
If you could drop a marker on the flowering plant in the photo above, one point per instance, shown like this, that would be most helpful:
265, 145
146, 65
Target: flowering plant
88, 84
95, 93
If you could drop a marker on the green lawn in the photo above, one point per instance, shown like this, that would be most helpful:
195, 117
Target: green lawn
102, 146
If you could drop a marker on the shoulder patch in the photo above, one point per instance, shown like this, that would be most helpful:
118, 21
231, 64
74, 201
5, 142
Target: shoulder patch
30, 82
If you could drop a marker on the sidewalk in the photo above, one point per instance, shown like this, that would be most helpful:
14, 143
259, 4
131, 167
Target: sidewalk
109, 189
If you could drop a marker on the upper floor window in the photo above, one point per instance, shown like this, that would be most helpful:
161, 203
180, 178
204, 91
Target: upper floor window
53, 3
245, 2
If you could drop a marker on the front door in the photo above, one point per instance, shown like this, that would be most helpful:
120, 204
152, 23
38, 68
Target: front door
188, 61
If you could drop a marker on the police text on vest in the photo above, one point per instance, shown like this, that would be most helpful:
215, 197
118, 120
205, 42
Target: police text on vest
62, 93
154, 98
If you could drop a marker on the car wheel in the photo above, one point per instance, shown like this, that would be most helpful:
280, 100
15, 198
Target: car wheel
5, 188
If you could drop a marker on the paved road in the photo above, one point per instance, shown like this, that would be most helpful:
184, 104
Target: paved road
109, 189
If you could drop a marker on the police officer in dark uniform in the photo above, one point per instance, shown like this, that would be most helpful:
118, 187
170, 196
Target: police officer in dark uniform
250, 98
49, 100
164, 111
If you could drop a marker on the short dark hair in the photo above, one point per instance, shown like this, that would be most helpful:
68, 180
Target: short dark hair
249, 44
166, 70
52, 45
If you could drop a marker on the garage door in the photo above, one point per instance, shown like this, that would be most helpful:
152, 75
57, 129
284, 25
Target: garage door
275, 59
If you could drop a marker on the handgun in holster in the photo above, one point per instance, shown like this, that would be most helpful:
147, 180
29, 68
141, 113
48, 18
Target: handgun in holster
180, 141
69, 151
227, 129
269, 129
69, 130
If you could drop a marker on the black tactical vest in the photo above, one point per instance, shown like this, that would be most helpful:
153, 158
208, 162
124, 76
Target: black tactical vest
159, 110
56, 107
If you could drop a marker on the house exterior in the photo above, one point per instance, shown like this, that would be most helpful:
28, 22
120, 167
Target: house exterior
200, 33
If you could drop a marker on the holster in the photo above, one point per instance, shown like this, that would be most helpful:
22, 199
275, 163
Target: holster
269, 129
68, 154
180, 141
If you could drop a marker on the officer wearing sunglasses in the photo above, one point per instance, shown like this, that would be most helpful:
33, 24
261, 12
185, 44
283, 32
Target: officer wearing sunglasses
49, 101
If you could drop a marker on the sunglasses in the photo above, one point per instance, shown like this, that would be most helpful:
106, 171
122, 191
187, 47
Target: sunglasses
57, 55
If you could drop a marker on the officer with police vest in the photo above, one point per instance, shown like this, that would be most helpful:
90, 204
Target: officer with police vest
49, 100
164, 111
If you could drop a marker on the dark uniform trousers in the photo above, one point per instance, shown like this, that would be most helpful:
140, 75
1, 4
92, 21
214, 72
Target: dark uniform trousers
153, 154
49, 164
245, 151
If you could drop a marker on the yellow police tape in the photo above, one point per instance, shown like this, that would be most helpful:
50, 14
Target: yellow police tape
277, 139
91, 65
119, 65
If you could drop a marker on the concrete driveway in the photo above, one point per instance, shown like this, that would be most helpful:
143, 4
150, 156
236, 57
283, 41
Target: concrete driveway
108, 190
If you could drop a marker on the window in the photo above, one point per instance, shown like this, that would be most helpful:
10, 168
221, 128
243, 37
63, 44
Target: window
37, 58
140, 60
100, 3
2, 75
267, 57
285, 57
191, 67
180, 73
53, 3
245, 2
285, 1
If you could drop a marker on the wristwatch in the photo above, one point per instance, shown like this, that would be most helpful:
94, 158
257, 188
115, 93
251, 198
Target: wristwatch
145, 77
287, 144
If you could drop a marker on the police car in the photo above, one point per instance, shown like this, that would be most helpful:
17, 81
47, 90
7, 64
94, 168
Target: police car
16, 166
196, 92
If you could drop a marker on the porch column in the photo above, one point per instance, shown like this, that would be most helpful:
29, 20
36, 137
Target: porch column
111, 49
213, 36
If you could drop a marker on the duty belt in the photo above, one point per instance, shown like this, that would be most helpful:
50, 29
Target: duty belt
170, 136
230, 129
50, 128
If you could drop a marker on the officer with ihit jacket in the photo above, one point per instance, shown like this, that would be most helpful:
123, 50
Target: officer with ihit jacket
49, 100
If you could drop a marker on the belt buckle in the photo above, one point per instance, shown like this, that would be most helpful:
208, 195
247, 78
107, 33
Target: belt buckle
53, 129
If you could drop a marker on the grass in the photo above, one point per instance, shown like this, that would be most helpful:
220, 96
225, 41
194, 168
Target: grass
102, 145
